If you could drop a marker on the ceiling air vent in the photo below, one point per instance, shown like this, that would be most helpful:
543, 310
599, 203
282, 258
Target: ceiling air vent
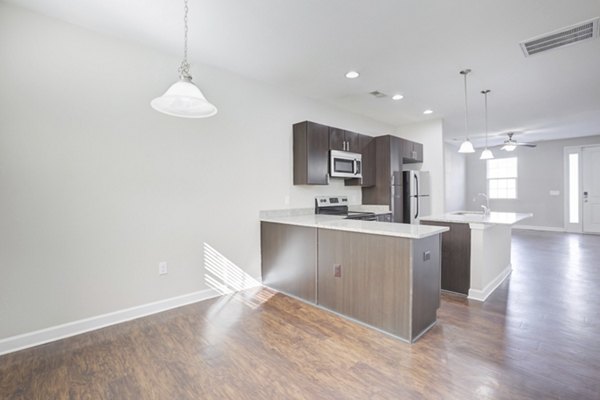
572, 34
378, 94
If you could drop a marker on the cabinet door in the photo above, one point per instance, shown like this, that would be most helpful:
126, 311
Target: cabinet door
311, 153
418, 148
412, 152
289, 259
353, 142
367, 150
337, 139
366, 277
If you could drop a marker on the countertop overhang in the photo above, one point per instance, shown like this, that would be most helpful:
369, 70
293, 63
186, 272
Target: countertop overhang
494, 218
407, 231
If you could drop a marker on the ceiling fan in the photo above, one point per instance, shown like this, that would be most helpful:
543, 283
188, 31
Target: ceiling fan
511, 144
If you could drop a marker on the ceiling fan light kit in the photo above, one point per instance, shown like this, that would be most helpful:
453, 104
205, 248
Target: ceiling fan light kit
511, 144
183, 98
466, 146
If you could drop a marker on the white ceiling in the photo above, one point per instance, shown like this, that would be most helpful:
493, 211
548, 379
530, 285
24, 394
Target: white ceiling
415, 48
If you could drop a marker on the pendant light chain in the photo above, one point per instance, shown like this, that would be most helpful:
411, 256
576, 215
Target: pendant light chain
184, 68
183, 98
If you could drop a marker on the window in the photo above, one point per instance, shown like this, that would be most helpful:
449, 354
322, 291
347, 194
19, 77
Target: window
574, 188
502, 178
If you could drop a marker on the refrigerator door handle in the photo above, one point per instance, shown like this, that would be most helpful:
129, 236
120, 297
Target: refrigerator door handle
416, 184
417, 199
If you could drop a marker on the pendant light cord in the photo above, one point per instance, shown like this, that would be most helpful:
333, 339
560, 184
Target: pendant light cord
184, 68
485, 92
465, 73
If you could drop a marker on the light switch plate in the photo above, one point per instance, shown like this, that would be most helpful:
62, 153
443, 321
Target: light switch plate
555, 193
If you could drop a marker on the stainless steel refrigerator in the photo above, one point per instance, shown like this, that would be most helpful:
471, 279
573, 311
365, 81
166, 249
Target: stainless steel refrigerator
416, 199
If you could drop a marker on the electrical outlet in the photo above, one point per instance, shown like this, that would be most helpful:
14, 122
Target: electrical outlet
162, 268
337, 271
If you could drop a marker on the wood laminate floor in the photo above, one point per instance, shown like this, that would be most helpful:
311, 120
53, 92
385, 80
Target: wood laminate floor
536, 337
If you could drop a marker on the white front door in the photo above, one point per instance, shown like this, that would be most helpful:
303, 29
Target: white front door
591, 189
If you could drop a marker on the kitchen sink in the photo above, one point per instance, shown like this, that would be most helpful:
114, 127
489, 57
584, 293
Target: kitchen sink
469, 213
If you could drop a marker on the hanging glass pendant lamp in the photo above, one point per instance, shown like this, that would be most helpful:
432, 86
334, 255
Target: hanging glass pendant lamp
466, 146
184, 98
486, 154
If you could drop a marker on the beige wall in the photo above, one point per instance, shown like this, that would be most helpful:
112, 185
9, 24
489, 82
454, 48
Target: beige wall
97, 188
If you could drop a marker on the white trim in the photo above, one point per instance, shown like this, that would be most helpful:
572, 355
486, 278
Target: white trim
539, 228
36, 338
481, 295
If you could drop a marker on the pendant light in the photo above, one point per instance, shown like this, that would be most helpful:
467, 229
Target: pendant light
486, 154
466, 146
183, 98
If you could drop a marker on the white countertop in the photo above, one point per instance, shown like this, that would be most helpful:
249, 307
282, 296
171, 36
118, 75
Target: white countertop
499, 218
370, 227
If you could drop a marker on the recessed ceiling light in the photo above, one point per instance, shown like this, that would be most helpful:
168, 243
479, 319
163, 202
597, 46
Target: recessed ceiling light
397, 97
426, 112
352, 75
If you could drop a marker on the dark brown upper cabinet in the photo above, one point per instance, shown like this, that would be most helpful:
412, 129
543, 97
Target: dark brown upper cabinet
343, 140
388, 160
311, 153
412, 152
366, 145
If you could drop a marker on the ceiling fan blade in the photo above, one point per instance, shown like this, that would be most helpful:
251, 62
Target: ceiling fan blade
525, 144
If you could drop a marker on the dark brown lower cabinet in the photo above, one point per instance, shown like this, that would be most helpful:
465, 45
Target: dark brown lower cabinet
289, 259
388, 282
456, 257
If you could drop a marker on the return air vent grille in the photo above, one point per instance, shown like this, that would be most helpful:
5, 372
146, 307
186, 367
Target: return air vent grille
572, 34
378, 94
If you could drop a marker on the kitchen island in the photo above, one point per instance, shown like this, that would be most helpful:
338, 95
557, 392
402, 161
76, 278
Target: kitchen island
384, 275
476, 251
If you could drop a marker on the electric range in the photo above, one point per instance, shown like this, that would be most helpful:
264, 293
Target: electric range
338, 205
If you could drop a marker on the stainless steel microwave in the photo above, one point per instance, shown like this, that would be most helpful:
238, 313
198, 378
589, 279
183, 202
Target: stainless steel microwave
343, 164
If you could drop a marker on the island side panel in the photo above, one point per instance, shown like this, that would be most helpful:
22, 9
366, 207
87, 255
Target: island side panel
426, 283
289, 259
456, 256
374, 286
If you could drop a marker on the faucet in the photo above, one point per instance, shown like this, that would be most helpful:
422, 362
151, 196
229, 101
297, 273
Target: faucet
486, 207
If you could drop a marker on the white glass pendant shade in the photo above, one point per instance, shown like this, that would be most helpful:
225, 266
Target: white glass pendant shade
466, 147
486, 154
509, 147
184, 99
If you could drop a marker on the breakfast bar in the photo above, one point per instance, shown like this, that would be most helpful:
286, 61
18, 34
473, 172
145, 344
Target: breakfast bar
476, 251
384, 275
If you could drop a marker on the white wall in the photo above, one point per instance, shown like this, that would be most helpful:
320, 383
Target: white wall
540, 170
97, 188
430, 134
456, 178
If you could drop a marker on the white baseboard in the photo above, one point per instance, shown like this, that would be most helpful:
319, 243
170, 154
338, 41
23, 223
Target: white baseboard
30, 339
539, 228
481, 295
